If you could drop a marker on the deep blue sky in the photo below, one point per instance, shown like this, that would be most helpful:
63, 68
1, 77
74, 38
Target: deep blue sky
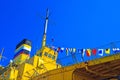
72, 23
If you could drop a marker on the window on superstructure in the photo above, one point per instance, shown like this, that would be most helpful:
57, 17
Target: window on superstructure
49, 55
40, 54
45, 54
53, 57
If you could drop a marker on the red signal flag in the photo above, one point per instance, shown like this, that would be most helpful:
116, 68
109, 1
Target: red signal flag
58, 50
94, 51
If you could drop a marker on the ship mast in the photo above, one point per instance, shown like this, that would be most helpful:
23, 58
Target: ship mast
45, 29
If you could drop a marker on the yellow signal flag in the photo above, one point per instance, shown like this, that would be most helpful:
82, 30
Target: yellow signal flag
74, 50
88, 52
107, 51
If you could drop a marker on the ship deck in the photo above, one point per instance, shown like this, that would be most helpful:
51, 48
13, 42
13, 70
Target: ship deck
104, 71
105, 68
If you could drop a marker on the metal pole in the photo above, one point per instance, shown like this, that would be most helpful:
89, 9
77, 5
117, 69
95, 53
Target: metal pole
45, 29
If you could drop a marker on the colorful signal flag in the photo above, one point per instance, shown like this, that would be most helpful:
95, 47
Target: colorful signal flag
70, 50
88, 52
58, 49
62, 49
100, 52
74, 50
94, 51
116, 50
67, 51
107, 51
82, 52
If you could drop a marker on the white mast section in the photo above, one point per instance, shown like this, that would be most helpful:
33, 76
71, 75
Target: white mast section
45, 29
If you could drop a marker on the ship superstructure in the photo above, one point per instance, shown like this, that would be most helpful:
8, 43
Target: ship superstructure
23, 67
43, 65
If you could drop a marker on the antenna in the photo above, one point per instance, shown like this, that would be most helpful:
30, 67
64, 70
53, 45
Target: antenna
45, 29
1, 54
